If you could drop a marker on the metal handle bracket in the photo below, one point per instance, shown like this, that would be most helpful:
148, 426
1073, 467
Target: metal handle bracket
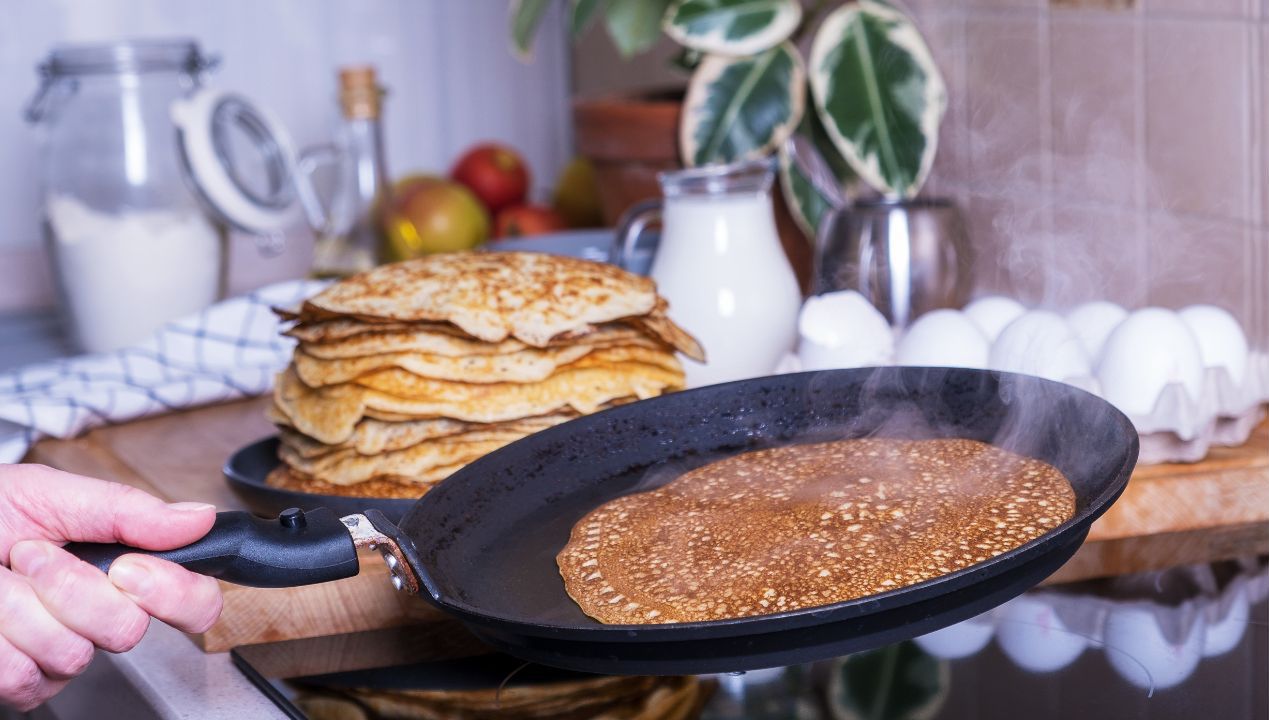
366, 535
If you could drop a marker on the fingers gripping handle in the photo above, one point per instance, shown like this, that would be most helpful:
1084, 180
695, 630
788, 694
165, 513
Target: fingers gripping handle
296, 548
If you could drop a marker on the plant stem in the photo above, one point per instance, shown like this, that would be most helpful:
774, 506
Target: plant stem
809, 19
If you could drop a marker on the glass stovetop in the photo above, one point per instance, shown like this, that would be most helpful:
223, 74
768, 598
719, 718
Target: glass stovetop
1189, 642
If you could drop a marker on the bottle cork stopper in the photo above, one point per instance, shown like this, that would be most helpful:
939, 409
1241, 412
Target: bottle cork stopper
359, 92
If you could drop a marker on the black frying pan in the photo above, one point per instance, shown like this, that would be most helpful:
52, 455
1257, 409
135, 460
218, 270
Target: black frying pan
482, 544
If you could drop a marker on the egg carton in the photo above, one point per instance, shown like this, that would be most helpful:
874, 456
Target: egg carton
1182, 428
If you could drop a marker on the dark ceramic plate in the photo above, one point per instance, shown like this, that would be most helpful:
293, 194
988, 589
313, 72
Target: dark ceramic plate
247, 469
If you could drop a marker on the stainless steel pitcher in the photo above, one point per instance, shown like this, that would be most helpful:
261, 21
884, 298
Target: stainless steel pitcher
906, 256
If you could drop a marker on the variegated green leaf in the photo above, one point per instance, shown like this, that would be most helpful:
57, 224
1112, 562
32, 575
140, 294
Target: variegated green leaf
879, 93
583, 14
825, 152
732, 27
742, 108
807, 199
525, 16
635, 25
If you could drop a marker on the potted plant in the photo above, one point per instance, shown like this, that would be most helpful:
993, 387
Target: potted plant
863, 105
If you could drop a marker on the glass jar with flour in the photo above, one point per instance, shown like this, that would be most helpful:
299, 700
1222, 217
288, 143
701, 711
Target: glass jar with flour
143, 172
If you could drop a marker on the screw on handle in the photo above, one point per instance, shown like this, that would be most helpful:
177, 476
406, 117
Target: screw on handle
297, 548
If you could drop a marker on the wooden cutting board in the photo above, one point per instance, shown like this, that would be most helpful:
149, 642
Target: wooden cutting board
1169, 515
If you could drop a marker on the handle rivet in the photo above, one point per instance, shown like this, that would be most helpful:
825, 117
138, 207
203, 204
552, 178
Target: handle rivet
292, 518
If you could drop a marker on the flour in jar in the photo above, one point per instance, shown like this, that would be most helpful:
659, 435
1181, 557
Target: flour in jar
124, 274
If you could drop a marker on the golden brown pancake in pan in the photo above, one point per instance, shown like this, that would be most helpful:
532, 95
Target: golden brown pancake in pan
801, 526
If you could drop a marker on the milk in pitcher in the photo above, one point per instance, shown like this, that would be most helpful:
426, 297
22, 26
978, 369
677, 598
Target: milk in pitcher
722, 268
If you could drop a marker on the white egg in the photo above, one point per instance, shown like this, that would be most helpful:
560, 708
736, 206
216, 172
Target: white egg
1220, 338
1227, 619
992, 313
1040, 343
1035, 638
943, 338
1093, 322
1258, 587
1148, 351
957, 641
842, 329
1142, 654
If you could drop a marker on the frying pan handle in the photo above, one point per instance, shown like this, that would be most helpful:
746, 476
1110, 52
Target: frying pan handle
296, 548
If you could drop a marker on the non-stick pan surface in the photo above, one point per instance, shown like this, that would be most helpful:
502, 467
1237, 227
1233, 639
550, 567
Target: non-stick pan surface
486, 538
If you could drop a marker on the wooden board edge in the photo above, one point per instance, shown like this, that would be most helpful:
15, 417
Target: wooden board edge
1163, 550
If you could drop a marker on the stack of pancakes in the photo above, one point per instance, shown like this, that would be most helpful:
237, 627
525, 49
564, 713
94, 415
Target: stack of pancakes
408, 372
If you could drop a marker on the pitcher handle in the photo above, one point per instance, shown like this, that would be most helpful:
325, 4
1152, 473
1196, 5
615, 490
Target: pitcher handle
632, 224
310, 161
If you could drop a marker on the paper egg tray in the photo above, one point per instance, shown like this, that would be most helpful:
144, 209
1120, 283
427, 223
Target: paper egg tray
1183, 429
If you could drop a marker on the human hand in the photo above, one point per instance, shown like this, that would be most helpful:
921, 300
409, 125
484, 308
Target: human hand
54, 608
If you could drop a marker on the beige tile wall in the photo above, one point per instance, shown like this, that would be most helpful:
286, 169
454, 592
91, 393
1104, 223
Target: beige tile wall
1107, 148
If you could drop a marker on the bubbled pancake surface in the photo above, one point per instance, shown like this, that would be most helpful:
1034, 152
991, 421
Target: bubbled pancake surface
807, 525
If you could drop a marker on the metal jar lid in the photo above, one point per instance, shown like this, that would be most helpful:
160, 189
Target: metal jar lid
130, 57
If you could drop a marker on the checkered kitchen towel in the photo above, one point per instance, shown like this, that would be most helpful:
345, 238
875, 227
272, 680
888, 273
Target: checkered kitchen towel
230, 350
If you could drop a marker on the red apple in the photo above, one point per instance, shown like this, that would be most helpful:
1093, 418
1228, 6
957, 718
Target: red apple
525, 220
496, 174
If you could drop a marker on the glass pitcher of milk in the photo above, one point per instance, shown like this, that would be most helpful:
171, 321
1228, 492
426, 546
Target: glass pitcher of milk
721, 266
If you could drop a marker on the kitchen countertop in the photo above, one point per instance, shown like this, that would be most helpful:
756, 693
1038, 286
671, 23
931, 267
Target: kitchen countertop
165, 676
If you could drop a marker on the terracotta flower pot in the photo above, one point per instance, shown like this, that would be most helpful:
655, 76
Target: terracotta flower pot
629, 139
